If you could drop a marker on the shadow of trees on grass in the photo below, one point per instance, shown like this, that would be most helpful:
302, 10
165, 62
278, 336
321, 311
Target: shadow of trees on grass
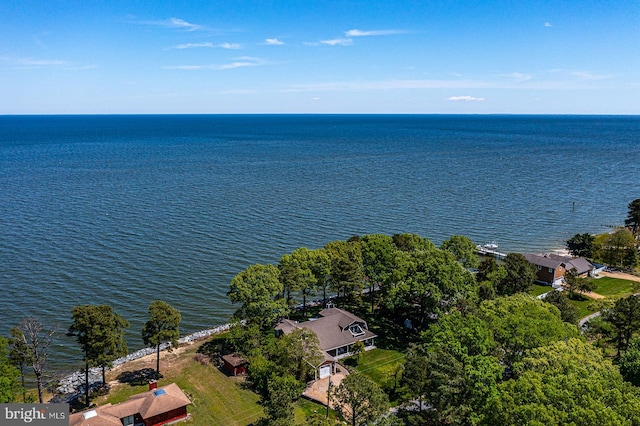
138, 377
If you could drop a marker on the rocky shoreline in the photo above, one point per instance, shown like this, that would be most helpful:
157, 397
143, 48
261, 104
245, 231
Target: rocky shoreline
73, 385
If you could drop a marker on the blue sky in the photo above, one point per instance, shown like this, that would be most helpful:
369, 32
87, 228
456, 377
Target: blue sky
304, 56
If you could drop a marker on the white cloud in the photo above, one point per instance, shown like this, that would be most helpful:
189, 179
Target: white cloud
273, 42
548, 24
192, 45
43, 63
464, 99
518, 76
208, 44
361, 33
180, 23
587, 75
337, 42
241, 62
231, 46
170, 23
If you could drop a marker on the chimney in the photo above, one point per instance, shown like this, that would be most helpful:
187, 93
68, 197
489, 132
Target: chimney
153, 384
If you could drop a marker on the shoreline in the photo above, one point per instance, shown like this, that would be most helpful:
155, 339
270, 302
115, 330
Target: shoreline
72, 385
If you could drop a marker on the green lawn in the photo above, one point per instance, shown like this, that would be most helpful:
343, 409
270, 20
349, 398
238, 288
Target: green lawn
216, 398
615, 288
383, 367
304, 409
583, 306
538, 289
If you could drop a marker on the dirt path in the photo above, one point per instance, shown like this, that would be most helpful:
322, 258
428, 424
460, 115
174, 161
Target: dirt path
620, 275
592, 295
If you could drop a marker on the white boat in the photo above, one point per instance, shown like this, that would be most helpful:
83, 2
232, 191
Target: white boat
490, 246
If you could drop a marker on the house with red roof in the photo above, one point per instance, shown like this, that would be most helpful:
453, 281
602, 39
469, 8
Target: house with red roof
155, 407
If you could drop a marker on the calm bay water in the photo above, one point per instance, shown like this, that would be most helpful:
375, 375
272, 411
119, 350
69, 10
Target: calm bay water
123, 210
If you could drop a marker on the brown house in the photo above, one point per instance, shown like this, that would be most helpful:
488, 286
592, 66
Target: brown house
234, 364
550, 268
156, 407
337, 330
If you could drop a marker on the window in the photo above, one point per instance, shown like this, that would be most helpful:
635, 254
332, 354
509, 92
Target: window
539, 267
127, 421
356, 330
551, 270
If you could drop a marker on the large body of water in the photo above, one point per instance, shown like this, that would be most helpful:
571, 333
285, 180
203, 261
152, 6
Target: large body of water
124, 210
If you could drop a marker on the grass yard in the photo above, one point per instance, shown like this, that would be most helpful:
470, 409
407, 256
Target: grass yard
583, 306
383, 366
614, 288
304, 409
538, 289
216, 398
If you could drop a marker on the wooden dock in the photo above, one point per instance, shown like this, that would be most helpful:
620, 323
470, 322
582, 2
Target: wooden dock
485, 251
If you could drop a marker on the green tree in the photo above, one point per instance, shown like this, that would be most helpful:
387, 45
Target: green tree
461, 370
18, 355
260, 369
346, 274
630, 363
290, 276
521, 322
357, 349
618, 249
568, 312
624, 318
321, 269
520, 275
278, 406
258, 289
572, 282
31, 344
567, 382
359, 399
379, 258
99, 331
488, 276
9, 375
435, 283
633, 216
416, 374
162, 327
581, 245
463, 249
411, 242
300, 352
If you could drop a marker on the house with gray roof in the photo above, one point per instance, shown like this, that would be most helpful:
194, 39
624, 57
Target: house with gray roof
552, 267
337, 331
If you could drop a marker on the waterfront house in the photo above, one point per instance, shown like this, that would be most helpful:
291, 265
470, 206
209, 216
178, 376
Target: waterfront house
156, 407
337, 331
551, 268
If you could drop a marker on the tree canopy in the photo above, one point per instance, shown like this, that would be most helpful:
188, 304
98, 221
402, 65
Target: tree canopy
162, 327
359, 399
521, 322
633, 216
463, 249
100, 332
9, 375
258, 289
520, 275
581, 245
566, 382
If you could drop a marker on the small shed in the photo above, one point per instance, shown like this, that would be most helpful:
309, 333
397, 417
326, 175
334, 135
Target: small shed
234, 364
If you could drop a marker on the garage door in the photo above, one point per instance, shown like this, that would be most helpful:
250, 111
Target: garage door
325, 371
